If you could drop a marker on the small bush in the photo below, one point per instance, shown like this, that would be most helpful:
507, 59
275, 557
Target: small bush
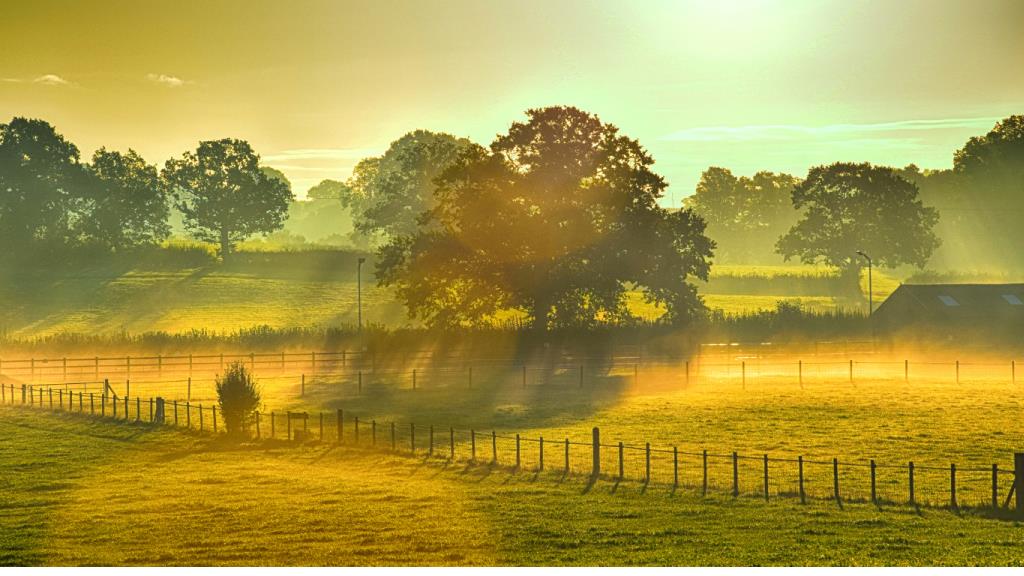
239, 396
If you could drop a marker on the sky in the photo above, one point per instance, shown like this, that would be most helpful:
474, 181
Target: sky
316, 85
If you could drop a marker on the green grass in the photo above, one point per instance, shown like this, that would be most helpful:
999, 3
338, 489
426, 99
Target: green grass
82, 492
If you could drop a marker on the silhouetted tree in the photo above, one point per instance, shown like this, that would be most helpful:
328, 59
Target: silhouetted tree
745, 216
41, 178
390, 192
851, 207
272, 172
558, 218
224, 196
990, 169
329, 190
126, 202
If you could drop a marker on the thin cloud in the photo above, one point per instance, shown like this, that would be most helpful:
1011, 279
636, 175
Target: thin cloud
51, 80
300, 154
796, 131
166, 80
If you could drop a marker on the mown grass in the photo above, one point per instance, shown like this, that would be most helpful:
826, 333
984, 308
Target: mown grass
81, 492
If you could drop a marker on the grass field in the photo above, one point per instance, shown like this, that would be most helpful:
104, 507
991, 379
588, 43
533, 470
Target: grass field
304, 289
79, 491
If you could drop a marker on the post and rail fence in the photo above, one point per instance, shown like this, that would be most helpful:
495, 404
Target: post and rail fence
764, 476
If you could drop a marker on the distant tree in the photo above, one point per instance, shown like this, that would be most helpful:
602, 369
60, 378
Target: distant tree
329, 190
224, 196
851, 207
239, 397
272, 172
389, 193
41, 178
745, 216
559, 218
991, 173
126, 203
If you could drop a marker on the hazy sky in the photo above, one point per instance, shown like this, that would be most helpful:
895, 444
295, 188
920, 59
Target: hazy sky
317, 85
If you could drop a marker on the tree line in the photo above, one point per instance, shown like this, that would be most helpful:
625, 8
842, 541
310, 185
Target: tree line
558, 218
50, 199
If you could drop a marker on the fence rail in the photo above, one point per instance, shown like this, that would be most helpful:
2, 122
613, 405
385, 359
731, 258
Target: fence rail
703, 471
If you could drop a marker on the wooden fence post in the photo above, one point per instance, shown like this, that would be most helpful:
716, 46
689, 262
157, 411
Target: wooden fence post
910, 468
675, 467
622, 466
303, 385
835, 479
472, 442
287, 417
995, 486
213, 410
451, 444
800, 372
800, 466
704, 489
647, 469
687, 372
188, 414
138, 409
596, 468
906, 370
321, 426
494, 446
430, 446
957, 371
518, 461
189, 394
341, 425
851, 371
735, 475
765, 476
952, 486
201, 422
566, 455
874, 485
743, 372
540, 448
1018, 480
373, 432
258, 425
360, 381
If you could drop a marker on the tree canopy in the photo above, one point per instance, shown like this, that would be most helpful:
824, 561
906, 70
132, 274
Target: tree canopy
224, 196
745, 216
850, 207
389, 193
41, 178
558, 218
329, 190
126, 203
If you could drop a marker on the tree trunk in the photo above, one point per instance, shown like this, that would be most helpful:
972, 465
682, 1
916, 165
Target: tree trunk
541, 308
225, 245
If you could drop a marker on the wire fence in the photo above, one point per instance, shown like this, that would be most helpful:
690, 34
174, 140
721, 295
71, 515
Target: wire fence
706, 472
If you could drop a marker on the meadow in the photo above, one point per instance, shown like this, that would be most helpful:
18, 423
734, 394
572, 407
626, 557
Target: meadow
81, 492
178, 289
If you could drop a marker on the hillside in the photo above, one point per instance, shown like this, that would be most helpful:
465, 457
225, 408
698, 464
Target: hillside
179, 290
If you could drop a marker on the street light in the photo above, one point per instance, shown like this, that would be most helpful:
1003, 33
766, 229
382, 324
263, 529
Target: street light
870, 294
359, 291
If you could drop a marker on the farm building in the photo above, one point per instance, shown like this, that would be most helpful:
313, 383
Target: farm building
946, 311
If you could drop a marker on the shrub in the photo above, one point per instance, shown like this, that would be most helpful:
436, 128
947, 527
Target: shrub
239, 396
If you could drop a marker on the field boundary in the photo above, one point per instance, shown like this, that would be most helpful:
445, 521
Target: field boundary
985, 490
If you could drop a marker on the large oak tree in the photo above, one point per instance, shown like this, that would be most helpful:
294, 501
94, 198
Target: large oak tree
558, 218
224, 196
850, 207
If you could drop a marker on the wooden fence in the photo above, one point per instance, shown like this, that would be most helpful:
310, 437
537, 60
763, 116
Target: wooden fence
707, 472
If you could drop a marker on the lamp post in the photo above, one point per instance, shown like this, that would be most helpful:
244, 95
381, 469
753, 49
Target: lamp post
359, 292
870, 293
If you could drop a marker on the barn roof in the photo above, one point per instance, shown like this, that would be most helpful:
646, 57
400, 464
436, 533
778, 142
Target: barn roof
932, 302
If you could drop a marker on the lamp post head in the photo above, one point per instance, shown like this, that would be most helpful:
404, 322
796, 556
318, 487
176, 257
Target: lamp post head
866, 257
361, 260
